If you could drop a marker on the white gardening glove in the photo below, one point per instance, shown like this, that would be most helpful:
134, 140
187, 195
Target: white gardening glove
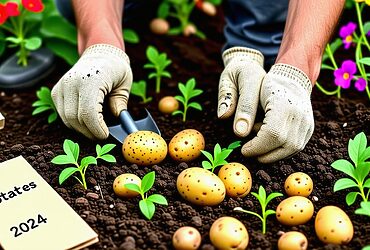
78, 96
288, 122
239, 87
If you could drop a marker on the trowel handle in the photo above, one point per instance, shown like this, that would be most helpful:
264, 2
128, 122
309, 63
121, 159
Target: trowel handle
127, 122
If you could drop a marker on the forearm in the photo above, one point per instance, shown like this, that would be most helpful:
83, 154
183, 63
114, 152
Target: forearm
308, 28
99, 22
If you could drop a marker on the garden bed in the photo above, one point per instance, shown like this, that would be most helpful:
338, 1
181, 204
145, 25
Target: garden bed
119, 222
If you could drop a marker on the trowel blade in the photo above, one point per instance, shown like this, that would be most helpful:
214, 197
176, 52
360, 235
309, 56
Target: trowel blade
147, 124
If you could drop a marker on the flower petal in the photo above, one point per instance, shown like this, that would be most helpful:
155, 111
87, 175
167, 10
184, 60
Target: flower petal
3, 14
349, 66
33, 5
360, 84
12, 9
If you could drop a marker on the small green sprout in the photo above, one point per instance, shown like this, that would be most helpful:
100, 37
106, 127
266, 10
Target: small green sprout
219, 155
359, 154
45, 103
72, 151
158, 62
364, 209
130, 36
188, 91
261, 197
146, 205
139, 89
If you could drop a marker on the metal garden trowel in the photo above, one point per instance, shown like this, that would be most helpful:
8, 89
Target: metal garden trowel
128, 125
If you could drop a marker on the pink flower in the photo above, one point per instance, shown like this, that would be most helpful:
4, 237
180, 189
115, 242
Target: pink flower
12, 9
346, 33
360, 84
344, 74
3, 14
33, 5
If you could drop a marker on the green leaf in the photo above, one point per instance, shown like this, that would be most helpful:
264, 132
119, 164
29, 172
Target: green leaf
71, 149
130, 36
139, 88
33, 43
362, 171
108, 158
57, 27
216, 150
174, 31
351, 198
147, 181
345, 167
66, 173
234, 145
325, 66
367, 183
152, 75
262, 194
163, 10
52, 117
208, 155
215, 2
333, 47
63, 159
343, 184
86, 161
133, 187
152, 54
64, 50
147, 208
13, 39
365, 208
195, 105
159, 199
97, 149
166, 74
180, 99
262, 202
177, 112
206, 165
366, 248
365, 155
195, 93
357, 146
183, 91
106, 148
40, 109
39, 103
200, 34
366, 27
365, 60
270, 212
272, 196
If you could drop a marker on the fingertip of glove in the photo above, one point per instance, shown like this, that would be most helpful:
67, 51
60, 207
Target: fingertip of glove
242, 128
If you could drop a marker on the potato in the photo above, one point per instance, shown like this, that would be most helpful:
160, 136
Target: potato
209, 9
292, 241
236, 178
298, 184
333, 226
186, 145
168, 104
119, 185
295, 210
186, 238
200, 186
189, 30
159, 26
144, 148
229, 233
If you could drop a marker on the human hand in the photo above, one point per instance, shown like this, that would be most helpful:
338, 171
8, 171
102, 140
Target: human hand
239, 87
78, 96
288, 123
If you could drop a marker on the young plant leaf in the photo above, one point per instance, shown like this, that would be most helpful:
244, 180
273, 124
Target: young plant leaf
133, 187
345, 167
130, 36
195, 105
86, 161
157, 198
108, 158
63, 159
365, 208
351, 198
206, 165
147, 208
66, 173
234, 145
147, 181
105, 149
343, 184
33, 43
356, 147
272, 196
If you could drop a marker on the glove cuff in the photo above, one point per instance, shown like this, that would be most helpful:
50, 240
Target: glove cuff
106, 49
293, 73
242, 52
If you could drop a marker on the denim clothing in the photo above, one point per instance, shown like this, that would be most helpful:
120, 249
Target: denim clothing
256, 24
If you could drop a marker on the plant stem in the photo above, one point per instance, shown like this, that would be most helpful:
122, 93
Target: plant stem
158, 83
326, 92
185, 110
359, 17
258, 216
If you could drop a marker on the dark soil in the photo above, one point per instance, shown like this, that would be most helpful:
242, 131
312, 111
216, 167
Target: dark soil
118, 222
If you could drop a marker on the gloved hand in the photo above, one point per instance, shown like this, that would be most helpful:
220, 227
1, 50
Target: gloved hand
239, 87
78, 96
288, 123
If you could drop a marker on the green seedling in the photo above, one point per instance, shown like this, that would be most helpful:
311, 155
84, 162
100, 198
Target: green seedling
264, 201
158, 62
364, 209
147, 204
359, 171
72, 151
45, 103
188, 91
130, 36
139, 89
219, 155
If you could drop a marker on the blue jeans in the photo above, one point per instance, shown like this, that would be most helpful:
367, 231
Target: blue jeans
256, 24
